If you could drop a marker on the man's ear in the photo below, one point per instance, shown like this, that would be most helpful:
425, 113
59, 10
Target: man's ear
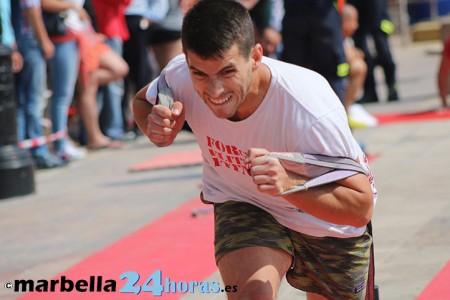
257, 54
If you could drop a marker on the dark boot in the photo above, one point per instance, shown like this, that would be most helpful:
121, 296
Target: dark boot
368, 97
392, 93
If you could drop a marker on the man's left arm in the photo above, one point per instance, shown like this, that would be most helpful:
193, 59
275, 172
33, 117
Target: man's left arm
346, 202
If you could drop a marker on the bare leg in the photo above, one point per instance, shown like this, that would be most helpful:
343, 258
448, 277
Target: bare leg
164, 52
89, 114
255, 271
358, 70
112, 68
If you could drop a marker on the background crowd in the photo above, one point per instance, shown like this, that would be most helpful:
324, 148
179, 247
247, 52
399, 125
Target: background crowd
109, 49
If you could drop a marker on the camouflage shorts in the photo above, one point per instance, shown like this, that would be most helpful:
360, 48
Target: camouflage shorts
336, 268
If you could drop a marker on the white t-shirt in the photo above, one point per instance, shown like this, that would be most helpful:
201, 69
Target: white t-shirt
300, 113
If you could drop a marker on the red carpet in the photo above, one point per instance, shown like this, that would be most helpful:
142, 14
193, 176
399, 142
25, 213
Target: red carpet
177, 244
439, 287
412, 117
167, 160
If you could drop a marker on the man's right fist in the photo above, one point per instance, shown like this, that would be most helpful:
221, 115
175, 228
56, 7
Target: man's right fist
164, 123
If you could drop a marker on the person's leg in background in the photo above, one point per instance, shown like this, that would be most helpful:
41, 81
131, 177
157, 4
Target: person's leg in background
384, 57
370, 15
135, 54
370, 93
31, 83
63, 73
103, 67
333, 66
385, 60
355, 82
109, 99
166, 44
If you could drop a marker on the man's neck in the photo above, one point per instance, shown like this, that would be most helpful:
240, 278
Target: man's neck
258, 89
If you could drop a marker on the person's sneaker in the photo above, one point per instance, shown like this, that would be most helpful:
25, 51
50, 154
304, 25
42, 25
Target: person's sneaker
359, 118
353, 124
70, 152
129, 136
49, 161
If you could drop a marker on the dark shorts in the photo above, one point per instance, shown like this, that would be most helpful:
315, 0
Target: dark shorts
159, 35
336, 268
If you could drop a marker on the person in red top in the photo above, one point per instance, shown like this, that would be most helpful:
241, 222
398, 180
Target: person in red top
110, 19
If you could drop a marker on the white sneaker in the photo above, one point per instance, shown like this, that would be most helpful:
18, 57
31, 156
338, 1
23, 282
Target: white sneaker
359, 115
70, 152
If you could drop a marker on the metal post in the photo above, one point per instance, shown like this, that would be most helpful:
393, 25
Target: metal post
16, 165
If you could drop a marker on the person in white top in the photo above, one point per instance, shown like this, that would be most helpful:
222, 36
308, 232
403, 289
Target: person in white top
241, 106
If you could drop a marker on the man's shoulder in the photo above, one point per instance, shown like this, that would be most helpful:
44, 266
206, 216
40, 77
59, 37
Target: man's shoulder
177, 70
291, 71
293, 78
177, 62
302, 88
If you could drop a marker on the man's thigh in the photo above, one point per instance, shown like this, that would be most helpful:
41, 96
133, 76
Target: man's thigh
333, 267
254, 272
253, 251
239, 225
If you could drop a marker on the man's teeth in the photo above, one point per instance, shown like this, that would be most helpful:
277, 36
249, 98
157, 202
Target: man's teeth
219, 100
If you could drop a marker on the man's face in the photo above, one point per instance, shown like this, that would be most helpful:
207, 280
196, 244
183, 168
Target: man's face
222, 83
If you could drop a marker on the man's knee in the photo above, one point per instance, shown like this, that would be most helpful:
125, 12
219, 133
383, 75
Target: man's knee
358, 68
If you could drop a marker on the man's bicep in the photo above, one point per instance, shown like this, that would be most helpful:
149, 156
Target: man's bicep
358, 182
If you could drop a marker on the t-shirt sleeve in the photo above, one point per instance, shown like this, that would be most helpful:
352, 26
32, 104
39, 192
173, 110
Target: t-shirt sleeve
150, 95
331, 136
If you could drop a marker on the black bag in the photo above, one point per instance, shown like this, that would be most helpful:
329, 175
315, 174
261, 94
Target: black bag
54, 23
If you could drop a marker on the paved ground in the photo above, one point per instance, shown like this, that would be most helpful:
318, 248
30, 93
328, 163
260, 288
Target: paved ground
94, 202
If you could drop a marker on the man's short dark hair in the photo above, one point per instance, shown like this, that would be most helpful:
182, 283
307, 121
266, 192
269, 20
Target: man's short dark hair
212, 27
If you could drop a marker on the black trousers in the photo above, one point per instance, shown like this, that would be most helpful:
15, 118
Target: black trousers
312, 38
371, 13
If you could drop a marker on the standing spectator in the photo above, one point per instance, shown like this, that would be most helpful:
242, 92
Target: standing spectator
110, 19
139, 15
375, 24
64, 71
35, 47
312, 38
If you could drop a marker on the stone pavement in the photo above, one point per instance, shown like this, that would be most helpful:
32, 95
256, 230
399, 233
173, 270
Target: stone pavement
92, 203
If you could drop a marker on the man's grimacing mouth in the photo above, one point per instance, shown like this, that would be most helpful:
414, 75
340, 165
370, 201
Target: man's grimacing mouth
219, 100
